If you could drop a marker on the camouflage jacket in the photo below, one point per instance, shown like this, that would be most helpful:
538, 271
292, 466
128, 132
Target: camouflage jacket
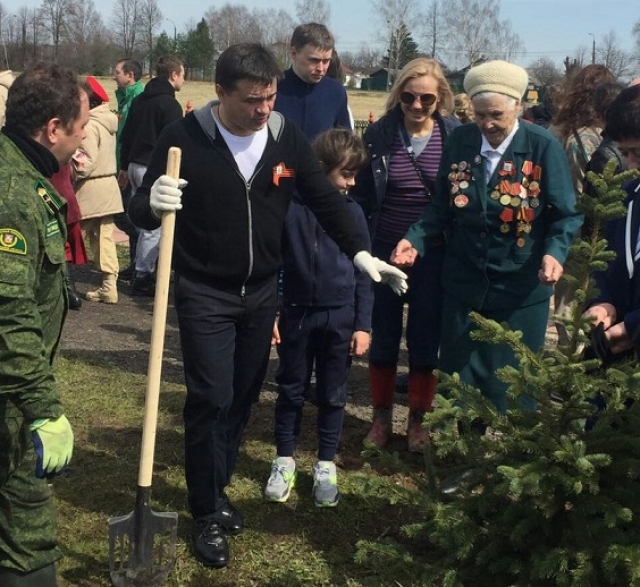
33, 299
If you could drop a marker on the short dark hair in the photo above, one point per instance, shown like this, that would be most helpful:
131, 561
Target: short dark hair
623, 115
314, 34
168, 64
336, 145
132, 66
250, 61
603, 96
42, 92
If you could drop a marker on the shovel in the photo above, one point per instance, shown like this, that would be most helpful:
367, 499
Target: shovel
142, 544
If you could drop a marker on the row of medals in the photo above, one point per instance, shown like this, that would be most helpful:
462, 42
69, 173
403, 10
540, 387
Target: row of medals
519, 198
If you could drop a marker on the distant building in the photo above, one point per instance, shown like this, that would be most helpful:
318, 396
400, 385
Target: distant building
377, 81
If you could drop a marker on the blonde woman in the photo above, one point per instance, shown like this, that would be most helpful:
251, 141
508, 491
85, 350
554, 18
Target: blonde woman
405, 146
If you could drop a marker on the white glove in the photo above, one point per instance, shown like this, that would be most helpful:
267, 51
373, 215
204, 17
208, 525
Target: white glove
382, 272
166, 195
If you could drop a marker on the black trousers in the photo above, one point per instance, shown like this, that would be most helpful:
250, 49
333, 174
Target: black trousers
225, 345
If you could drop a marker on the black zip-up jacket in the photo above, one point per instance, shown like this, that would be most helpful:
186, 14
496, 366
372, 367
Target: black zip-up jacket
229, 231
316, 273
154, 109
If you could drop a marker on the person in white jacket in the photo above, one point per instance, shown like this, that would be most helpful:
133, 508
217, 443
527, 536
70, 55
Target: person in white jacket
97, 191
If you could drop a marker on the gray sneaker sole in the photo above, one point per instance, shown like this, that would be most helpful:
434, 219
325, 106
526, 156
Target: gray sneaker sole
327, 504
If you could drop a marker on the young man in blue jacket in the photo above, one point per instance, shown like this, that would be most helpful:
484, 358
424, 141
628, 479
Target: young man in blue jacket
306, 95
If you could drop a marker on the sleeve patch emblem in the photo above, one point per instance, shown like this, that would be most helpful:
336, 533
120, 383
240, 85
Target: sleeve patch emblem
11, 241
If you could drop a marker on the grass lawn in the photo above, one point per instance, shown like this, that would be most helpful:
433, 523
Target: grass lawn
199, 93
102, 381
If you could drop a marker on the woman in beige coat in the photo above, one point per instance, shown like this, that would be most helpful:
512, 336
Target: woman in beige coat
94, 165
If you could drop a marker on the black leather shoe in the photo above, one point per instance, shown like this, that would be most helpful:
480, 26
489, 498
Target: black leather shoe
144, 286
127, 274
210, 544
75, 301
230, 520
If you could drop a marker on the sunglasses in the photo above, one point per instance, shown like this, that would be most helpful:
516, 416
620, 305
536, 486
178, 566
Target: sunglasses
426, 100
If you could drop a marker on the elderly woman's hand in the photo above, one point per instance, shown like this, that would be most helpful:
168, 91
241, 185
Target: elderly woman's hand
404, 255
550, 270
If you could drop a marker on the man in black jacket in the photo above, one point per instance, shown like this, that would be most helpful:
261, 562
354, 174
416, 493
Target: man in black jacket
242, 163
150, 113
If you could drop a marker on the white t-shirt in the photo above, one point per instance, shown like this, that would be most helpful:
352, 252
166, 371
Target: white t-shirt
247, 151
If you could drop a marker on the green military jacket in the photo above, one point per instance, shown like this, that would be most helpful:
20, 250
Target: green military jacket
33, 299
498, 230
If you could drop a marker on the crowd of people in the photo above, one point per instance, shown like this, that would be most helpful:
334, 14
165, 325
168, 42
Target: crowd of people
292, 231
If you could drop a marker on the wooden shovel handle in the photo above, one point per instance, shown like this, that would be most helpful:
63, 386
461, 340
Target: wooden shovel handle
157, 332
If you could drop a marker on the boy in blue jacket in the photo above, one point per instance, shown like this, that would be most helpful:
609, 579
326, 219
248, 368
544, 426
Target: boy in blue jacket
326, 316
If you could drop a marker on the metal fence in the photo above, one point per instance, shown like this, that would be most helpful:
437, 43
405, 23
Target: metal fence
360, 126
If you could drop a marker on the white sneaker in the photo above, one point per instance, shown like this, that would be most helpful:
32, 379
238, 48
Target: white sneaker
325, 485
282, 479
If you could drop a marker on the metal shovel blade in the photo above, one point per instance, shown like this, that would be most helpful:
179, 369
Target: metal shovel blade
142, 545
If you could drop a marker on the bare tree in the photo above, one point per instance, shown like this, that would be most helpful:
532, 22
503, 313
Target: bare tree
83, 23
275, 33
54, 14
581, 55
484, 35
3, 40
150, 21
636, 33
393, 16
545, 72
612, 56
125, 21
313, 11
433, 30
367, 58
233, 23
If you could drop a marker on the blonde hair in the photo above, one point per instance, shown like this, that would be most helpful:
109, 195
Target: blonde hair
418, 68
463, 108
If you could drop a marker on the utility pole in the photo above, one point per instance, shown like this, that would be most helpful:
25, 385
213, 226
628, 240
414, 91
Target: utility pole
593, 49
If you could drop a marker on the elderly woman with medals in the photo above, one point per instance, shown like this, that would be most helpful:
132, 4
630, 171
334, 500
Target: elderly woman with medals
405, 147
505, 199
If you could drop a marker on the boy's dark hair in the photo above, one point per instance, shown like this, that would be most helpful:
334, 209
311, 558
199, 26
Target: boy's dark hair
168, 64
336, 145
603, 96
623, 115
42, 92
132, 66
314, 34
250, 61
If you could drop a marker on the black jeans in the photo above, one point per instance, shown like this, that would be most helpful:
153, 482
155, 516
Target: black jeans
225, 345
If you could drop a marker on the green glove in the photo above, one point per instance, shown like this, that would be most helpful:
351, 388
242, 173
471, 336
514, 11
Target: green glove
53, 443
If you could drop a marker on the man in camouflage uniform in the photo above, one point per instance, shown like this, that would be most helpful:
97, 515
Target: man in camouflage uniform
47, 109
